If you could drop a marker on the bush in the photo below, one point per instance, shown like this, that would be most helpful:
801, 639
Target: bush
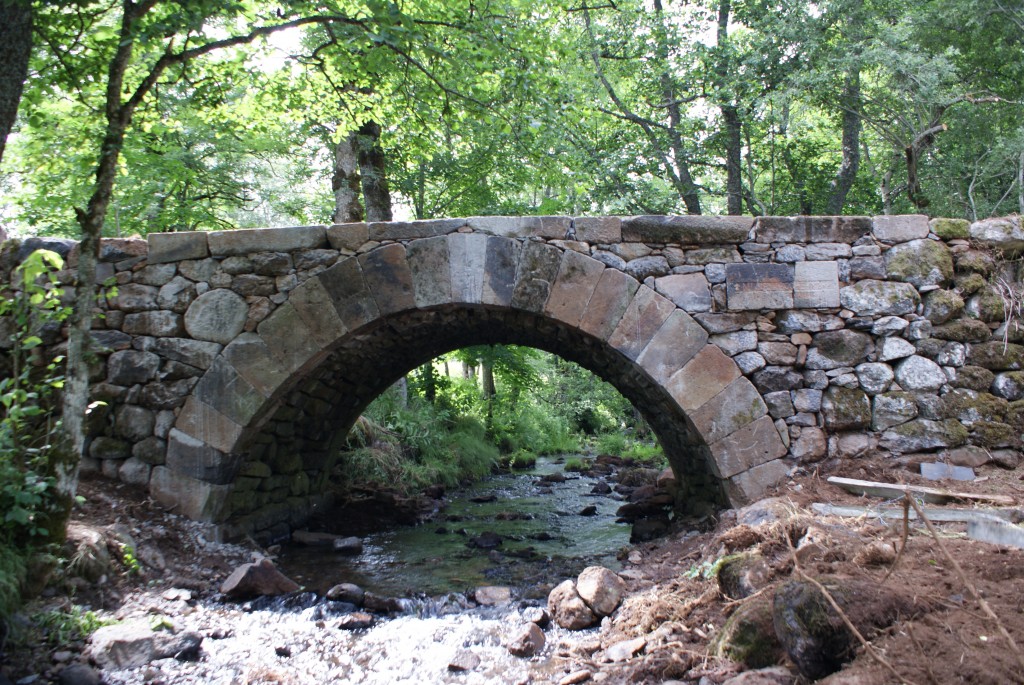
31, 510
611, 443
652, 455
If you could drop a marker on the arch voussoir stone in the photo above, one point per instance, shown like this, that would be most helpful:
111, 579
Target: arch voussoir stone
612, 297
575, 282
708, 373
354, 304
733, 408
645, 315
429, 265
500, 266
468, 257
388, 278
290, 339
675, 343
313, 303
538, 268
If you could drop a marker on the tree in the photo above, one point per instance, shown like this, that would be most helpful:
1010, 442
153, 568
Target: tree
15, 51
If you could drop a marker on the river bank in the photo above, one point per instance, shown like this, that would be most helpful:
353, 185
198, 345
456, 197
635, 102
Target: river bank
685, 595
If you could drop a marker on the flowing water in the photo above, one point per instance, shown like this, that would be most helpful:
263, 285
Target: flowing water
543, 539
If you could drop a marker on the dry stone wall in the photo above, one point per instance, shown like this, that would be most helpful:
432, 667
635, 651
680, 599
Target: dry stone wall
754, 346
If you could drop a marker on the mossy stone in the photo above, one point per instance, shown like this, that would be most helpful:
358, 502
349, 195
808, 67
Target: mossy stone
741, 575
970, 406
969, 283
996, 356
920, 263
995, 434
845, 408
973, 378
924, 434
963, 330
1015, 416
987, 304
748, 637
975, 261
942, 305
950, 229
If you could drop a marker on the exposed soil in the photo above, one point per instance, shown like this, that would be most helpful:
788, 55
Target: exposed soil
675, 602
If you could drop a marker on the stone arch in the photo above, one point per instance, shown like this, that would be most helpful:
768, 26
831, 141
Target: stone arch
347, 333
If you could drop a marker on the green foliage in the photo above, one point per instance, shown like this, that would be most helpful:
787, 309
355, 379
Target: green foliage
27, 422
611, 443
63, 626
575, 464
643, 452
411, 447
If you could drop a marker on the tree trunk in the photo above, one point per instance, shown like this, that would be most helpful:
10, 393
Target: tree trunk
429, 382
733, 154
730, 116
683, 179
372, 169
345, 182
15, 50
850, 102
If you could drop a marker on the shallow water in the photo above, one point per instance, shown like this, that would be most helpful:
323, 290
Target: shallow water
435, 558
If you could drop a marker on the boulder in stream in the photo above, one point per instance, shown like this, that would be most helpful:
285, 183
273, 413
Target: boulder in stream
601, 589
259, 579
492, 595
357, 620
346, 592
349, 546
130, 645
485, 540
527, 640
568, 609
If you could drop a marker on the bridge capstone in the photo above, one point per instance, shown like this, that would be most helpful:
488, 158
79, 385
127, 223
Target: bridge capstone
234, 362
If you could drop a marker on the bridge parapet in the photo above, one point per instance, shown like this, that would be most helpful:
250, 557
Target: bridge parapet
826, 337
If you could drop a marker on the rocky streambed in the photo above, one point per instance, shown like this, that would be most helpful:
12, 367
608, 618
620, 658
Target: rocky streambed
737, 603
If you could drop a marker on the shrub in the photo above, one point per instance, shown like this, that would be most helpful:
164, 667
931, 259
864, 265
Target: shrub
611, 443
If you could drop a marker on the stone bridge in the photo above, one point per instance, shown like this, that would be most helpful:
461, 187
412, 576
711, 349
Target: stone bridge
234, 362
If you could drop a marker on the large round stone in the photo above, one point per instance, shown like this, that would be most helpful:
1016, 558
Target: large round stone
874, 298
568, 609
601, 589
874, 377
917, 373
217, 315
920, 262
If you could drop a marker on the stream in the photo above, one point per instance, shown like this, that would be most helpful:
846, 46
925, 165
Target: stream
543, 537
441, 635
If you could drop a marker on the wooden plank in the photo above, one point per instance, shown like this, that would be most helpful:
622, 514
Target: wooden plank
931, 495
997, 532
933, 513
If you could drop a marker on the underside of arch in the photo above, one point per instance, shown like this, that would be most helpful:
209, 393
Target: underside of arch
348, 333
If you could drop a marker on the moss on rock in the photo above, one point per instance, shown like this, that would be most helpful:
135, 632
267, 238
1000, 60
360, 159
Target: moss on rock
973, 378
996, 356
970, 283
975, 261
950, 229
963, 330
987, 304
942, 305
970, 406
920, 262
748, 637
845, 408
995, 434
